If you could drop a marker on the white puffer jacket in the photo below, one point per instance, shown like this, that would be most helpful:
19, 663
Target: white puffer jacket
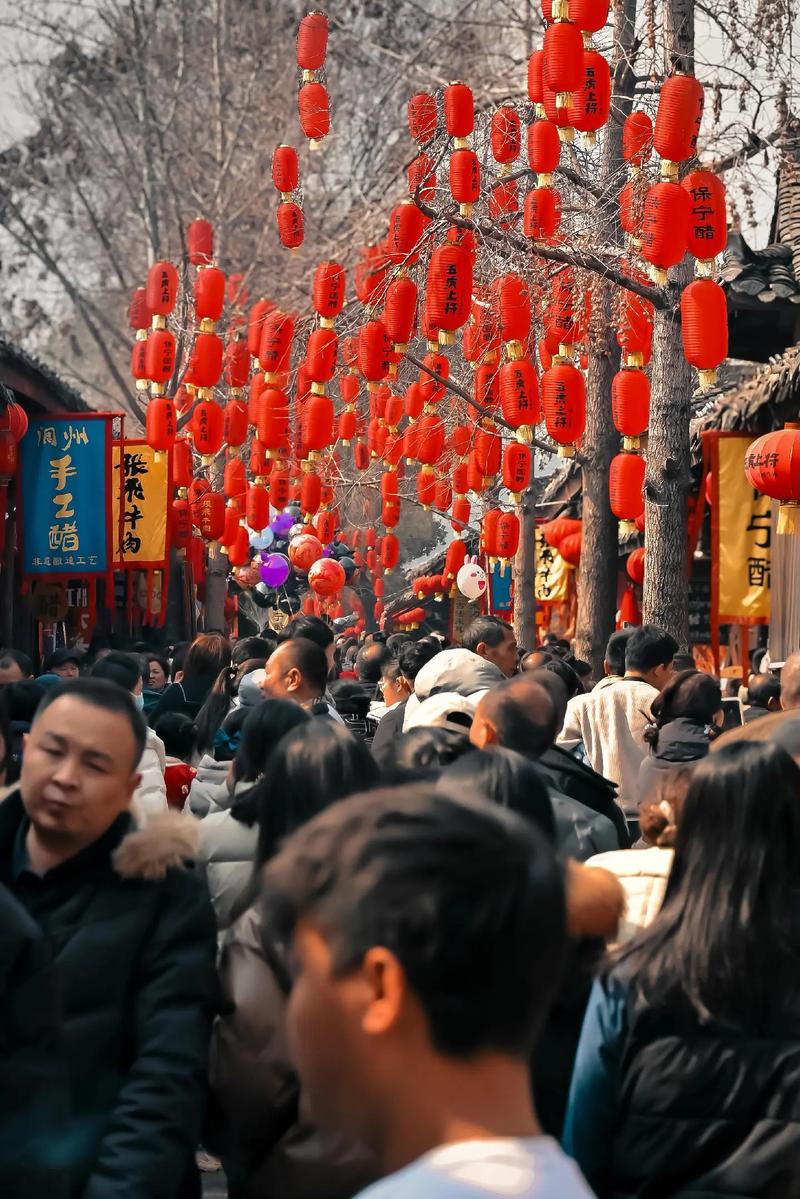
643, 874
150, 797
226, 855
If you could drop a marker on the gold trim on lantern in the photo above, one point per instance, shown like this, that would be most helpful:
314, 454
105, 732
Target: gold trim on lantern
631, 443
788, 518
707, 379
566, 133
524, 434
565, 451
544, 179
466, 209
669, 170
658, 275
446, 338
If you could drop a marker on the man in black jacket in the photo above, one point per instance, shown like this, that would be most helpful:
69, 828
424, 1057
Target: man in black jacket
133, 938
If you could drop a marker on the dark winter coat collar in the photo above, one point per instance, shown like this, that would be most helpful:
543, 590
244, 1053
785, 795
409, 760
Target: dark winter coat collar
682, 740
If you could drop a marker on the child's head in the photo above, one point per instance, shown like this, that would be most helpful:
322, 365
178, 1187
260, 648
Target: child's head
429, 933
176, 730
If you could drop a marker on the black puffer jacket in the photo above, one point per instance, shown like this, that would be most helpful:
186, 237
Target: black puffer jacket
680, 742
578, 781
134, 942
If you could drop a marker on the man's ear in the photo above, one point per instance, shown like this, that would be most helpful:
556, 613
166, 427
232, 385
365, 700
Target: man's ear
293, 679
480, 649
387, 990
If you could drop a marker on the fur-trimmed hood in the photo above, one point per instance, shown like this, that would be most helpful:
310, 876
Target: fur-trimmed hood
157, 843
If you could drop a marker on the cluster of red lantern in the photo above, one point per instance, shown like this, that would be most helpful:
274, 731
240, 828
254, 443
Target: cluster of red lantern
313, 101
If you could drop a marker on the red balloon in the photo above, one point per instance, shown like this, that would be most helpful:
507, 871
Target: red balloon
304, 551
326, 576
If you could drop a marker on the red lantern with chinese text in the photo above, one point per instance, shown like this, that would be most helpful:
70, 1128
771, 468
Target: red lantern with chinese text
422, 118
207, 428
315, 117
160, 426
772, 466
678, 119
704, 328
516, 468
708, 218
626, 488
564, 406
630, 405
665, 228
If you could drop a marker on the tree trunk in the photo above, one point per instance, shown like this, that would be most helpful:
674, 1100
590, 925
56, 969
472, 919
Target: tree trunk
525, 574
597, 584
216, 591
666, 578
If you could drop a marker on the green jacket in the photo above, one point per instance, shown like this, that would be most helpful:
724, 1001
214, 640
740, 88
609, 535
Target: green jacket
133, 937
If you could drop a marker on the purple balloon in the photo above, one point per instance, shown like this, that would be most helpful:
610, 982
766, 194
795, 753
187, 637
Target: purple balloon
274, 570
328, 551
282, 523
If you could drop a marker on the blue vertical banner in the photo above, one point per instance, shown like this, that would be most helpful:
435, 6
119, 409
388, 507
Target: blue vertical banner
65, 495
501, 601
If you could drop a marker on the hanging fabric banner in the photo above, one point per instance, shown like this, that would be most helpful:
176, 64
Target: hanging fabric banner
141, 506
552, 573
741, 536
65, 495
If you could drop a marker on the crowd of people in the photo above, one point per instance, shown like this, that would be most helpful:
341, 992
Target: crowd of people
390, 916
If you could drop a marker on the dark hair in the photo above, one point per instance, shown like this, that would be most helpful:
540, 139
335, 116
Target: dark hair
163, 663
7, 656
683, 662
120, 668
391, 670
208, 654
229, 734
660, 813
176, 730
59, 657
615, 650
179, 652
7, 742
487, 629
467, 896
396, 641
310, 768
524, 715
246, 649
555, 688
649, 646
763, 688
216, 707
307, 657
416, 655
726, 943
308, 628
21, 699
428, 749
568, 677
505, 778
370, 663
690, 694
109, 697
262, 730
582, 669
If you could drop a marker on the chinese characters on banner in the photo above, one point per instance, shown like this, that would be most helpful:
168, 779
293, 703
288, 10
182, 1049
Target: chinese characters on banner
552, 573
140, 537
741, 527
65, 464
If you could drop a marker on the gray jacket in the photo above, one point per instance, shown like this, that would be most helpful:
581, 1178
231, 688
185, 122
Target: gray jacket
209, 791
226, 855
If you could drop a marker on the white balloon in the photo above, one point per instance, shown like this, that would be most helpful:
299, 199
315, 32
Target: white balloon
262, 540
471, 580
261, 588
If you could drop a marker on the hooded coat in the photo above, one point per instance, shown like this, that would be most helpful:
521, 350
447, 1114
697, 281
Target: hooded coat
226, 854
680, 742
455, 672
133, 940
209, 791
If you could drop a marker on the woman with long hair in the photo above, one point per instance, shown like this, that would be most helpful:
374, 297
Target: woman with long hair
687, 717
267, 1144
247, 655
687, 1079
206, 657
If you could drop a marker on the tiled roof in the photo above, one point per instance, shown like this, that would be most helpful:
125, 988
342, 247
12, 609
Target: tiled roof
766, 276
45, 385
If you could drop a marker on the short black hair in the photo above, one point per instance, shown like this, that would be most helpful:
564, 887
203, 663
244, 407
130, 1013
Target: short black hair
370, 663
428, 749
524, 715
248, 648
505, 778
615, 651
123, 669
467, 896
7, 656
179, 653
416, 655
309, 658
109, 697
648, 647
391, 670
763, 688
488, 629
177, 732
396, 641
163, 663
309, 628
60, 657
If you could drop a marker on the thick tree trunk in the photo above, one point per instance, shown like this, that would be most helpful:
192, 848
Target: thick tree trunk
597, 583
666, 579
525, 574
216, 591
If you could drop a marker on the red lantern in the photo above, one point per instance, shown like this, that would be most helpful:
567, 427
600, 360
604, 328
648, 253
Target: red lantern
555, 531
236, 367
181, 524
519, 396
374, 351
318, 424
291, 228
665, 227
361, 458
321, 354
200, 242
160, 424
310, 494
449, 287
328, 290
326, 577
312, 41
255, 325
459, 110
304, 551
678, 120
589, 15
421, 177
704, 328
512, 303
708, 220
465, 179
208, 514
209, 294
426, 487
275, 349
389, 552
234, 423
159, 357
487, 451
489, 525
162, 288
591, 105
635, 332
564, 406
400, 312
544, 150
635, 566
181, 462
536, 78
285, 171
279, 489
257, 507
390, 513
772, 466
430, 430
505, 135
563, 60
570, 549
273, 420
207, 360
138, 313
516, 468
460, 514
207, 428
315, 117
422, 119
504, 201
630, 405
626, 487
507, 537
637, 139
234, 479
444, 495
541, 214
406, 226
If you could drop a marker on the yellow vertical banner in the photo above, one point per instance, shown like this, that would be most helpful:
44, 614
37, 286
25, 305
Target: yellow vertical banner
142, 489
552, 573
741, 537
